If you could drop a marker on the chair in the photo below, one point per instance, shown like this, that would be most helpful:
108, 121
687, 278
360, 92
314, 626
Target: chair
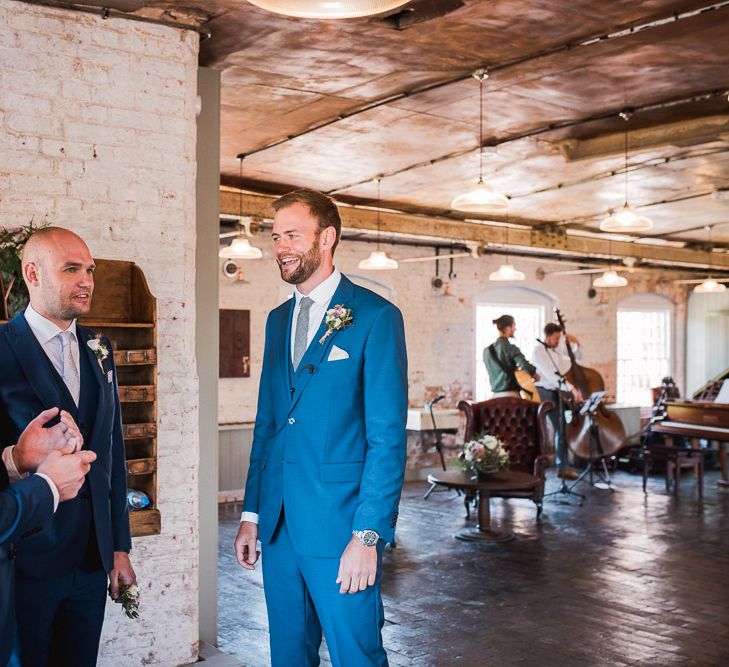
675, 457
522, 426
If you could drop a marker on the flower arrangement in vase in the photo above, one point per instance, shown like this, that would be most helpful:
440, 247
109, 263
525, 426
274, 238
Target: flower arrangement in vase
485, 455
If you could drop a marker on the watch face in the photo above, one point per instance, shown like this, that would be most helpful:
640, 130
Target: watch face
370, 538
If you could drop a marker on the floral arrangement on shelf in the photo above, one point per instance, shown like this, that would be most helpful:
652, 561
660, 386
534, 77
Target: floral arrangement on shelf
484, 455
13, 291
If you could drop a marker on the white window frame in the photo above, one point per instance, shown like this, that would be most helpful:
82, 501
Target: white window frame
506, 300
654, 370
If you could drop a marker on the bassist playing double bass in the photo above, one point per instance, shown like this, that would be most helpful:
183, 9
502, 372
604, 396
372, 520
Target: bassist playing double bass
552, 363
599, 434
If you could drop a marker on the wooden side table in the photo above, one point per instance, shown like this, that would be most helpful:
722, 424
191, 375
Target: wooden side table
505, 480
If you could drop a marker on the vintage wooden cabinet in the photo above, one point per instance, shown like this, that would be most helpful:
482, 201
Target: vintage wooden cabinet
124, 310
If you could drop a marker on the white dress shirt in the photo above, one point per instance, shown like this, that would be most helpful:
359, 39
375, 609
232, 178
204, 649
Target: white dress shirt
545, 359
321, 295
46, 333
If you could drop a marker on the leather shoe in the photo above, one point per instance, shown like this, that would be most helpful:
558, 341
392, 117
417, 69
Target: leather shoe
568, 473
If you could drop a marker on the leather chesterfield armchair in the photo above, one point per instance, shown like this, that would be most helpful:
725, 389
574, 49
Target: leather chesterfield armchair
523, 428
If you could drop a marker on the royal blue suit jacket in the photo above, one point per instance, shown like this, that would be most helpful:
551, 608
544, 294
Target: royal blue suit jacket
26, 508
27, 387
329, 443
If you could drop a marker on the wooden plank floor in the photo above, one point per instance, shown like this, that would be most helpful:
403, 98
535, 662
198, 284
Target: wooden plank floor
624, 580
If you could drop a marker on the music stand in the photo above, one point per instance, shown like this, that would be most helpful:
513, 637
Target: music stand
588, 409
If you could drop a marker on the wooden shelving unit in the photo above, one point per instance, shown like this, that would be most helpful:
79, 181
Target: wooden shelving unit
124, 310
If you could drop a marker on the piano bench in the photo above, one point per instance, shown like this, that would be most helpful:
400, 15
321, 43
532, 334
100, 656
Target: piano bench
676, 458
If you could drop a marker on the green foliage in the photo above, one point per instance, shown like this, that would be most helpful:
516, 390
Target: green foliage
11, 250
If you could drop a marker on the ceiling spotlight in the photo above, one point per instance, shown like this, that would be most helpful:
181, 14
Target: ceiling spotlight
506, 273
378, 259
240, 248
610, 279
328, 9
482, 198
710, 286
626, 220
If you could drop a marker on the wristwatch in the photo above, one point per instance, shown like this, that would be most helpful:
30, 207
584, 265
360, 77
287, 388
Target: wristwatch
368, 537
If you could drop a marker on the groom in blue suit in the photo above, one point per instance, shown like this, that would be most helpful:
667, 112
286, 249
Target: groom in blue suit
48, 360
328, 457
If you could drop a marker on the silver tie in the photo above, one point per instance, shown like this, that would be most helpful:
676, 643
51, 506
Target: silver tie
302, 330
70, 371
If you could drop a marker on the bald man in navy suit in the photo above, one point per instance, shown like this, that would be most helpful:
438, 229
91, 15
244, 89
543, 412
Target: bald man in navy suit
49, 359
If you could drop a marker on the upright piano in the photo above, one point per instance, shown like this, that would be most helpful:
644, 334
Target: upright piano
700, 418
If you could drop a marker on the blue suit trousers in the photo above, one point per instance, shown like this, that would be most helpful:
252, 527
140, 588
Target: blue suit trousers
303, 598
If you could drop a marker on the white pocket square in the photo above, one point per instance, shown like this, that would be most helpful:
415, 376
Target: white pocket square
337, 354
110, 376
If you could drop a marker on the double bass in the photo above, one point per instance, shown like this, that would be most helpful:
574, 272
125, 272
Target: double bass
610, 430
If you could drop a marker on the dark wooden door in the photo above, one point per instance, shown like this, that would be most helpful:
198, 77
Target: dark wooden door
235, 343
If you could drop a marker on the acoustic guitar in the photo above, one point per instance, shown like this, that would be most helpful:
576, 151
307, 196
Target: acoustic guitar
528, 388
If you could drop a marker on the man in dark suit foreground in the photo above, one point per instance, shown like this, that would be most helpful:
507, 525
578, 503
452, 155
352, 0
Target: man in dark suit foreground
50, 360
28, 505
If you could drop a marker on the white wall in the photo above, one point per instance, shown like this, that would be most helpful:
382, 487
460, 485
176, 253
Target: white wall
440, 329
97, 134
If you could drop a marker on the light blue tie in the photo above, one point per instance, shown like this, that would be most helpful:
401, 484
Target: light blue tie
70, 371
302, 330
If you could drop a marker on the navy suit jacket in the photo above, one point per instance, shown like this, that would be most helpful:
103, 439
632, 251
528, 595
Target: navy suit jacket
27, 387
26, 508
329, 442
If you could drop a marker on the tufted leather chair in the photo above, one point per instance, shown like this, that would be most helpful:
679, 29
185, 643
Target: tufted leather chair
522, 426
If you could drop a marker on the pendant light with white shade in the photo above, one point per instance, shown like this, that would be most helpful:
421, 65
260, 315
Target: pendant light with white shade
627, 219
329, 9
483, 198
710, 286
240, 247
506, 273
610, 278
378, 259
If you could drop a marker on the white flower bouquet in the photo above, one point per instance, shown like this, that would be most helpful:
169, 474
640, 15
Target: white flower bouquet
485, 454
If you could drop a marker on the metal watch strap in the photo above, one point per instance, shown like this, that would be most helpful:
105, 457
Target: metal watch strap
368, 537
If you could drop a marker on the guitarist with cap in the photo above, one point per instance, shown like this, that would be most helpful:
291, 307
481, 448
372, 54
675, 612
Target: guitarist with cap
502, 359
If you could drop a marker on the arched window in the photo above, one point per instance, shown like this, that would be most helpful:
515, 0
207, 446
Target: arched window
527, 306
645, 346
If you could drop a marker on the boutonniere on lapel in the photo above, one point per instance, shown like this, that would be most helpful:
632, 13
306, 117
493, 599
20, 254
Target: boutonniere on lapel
337, 318
100, 350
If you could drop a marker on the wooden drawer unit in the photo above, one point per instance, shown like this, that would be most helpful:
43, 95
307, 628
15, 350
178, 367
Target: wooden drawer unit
125, 311
137, 431
141, 466
135, 357
137, 393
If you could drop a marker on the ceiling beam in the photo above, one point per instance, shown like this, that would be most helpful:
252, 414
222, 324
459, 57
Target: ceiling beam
686, 132
549, 240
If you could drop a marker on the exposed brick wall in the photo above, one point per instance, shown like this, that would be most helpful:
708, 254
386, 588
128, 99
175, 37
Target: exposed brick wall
440, 328
97, 134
